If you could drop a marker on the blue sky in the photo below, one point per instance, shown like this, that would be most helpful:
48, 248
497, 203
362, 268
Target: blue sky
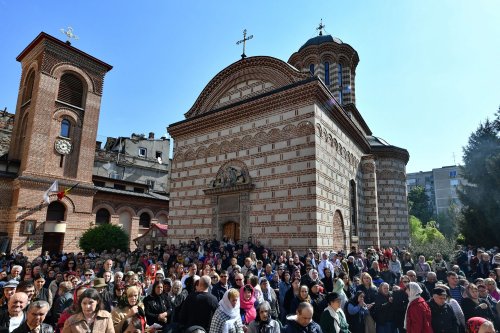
429, 70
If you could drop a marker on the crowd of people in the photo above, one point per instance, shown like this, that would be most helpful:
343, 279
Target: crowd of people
219, 286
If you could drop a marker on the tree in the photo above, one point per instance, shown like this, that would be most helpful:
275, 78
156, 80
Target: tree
418, 204
448, 221
428, 241
481, 196
104, 237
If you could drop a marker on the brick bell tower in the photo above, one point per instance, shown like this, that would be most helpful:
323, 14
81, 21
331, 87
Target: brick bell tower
53, 138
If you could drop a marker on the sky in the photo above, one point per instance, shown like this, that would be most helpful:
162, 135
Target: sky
429, 71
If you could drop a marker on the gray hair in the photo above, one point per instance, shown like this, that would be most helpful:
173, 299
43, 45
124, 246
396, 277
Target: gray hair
17, 267
264, 306
38, 305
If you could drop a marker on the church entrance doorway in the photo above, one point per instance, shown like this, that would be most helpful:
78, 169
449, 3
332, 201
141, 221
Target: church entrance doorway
231, 230
53, 242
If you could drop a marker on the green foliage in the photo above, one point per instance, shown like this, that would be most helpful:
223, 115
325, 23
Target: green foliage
104, 237
418, 204
481, 196
449, 221
429, 240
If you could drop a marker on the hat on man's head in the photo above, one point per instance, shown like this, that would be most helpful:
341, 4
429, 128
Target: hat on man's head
11, 284
439, 291
99, 283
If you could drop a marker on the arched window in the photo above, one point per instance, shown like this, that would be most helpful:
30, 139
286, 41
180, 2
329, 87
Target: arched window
28, 87
56, 212
102, 216
353, 208
65, 128
71, 90
311, 69
145, 220
327, 73
341, 88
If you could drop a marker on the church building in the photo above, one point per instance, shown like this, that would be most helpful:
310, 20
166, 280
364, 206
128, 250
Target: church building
279, 151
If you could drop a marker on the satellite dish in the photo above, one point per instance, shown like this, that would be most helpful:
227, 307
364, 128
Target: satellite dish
159, 160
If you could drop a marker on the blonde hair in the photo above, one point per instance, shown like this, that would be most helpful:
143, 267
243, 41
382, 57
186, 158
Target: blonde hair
233, 293
131, 290
366, 274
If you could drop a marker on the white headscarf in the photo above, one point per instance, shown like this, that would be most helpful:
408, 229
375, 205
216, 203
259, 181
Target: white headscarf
233, 312
414, 293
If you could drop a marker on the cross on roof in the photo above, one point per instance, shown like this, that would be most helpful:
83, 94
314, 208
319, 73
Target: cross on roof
245, 38
321, 27
69, 34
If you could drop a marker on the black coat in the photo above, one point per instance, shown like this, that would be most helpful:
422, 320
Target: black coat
383, 310
473, 309
218, 290
24, 328
294, 327
198, 310
155, 305
5, 321
443, 318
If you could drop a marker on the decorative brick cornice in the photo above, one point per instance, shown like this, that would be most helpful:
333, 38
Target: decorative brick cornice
343, 53
391, 152
270, 69
227, 190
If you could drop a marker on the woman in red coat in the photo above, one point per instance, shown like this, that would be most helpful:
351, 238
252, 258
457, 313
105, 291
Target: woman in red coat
418, 314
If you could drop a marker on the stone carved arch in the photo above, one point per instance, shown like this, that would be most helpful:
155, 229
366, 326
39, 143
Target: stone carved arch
233, 172
305, 128
339, 240
288, 129
213, 150
236, 144
274, 134
319, 130
104, 205
246, 142
266, 69
225, 147
72, 115
125, 208
201, 152
189, 155
260, 138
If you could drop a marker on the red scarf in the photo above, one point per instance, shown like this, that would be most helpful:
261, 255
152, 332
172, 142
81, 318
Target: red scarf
248, 306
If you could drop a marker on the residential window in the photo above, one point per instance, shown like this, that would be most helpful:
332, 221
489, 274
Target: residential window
327, 73
453, 174
65, 127
158, 154
454, 182
150, 183
119, 187
143, 152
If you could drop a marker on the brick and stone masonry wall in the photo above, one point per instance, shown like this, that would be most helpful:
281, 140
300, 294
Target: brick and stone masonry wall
369, 229
392, 198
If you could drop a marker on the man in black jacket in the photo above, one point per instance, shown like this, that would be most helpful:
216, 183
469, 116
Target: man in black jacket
443, 317
37, 311
220, 288
199, 307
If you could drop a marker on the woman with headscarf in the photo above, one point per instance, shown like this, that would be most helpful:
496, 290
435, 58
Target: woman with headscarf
418, 318
226, 318
357, 310
313, 278
263, 323
247, 304
327, 280
472, 306
128, 306
333, 319
480, 325
338, 288
269, 296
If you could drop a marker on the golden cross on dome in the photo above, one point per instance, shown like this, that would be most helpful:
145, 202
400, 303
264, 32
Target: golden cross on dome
321, 27
245, 38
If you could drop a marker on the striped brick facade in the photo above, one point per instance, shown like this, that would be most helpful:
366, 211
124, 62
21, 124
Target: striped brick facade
268, 148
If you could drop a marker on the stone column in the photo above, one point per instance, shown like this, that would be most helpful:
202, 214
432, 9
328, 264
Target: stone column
369, 228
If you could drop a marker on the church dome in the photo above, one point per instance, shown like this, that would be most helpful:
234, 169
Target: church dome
320, 40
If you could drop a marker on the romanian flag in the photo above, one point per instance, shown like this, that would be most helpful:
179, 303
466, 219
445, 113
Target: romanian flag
62, 194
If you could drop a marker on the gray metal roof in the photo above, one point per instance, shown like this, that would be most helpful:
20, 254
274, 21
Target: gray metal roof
150, 195
320, 40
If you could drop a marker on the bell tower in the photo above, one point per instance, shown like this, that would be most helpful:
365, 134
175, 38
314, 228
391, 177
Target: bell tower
57, 110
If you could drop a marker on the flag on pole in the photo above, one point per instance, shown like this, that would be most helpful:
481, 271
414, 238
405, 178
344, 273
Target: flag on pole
53, 188
62, 194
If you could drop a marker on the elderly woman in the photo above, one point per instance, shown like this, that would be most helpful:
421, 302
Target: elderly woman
128, 307
269, 295
418, 317
384, 310
89, 318
177, 296
263, 322
226, 318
